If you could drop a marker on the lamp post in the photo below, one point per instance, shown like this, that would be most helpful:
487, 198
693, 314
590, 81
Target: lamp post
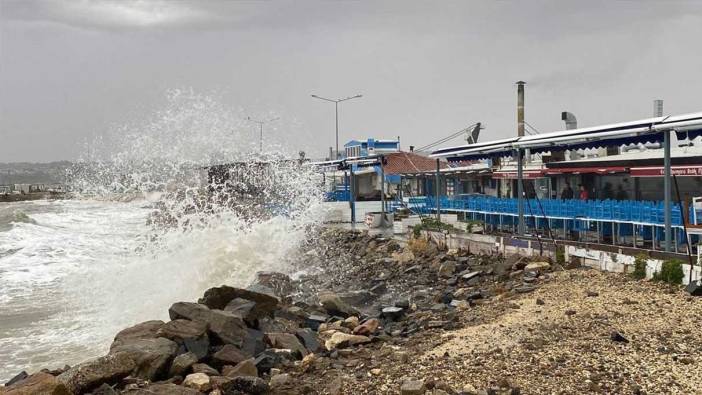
336, 107
260, 124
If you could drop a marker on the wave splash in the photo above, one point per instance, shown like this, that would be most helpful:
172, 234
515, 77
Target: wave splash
178, 228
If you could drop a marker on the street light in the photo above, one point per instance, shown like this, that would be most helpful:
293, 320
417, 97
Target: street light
260, 124
336, 106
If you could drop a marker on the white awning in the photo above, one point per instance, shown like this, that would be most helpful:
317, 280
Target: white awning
645, 130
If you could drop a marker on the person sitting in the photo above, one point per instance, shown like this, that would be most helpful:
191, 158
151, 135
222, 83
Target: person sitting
583, 192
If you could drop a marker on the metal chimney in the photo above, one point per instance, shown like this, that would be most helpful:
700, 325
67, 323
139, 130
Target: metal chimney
569, 119
658, 108
520, 108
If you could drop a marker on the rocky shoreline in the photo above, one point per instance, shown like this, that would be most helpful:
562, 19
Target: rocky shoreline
368, 315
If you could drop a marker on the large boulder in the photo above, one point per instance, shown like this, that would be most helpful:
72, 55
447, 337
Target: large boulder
279, 283
333, 304
152, 356
219, 297
253, 343
38, 383
91, 374
229, 355
143, 330
226, 327
286, 341
191, 335
163, 389
245, 309
182, 363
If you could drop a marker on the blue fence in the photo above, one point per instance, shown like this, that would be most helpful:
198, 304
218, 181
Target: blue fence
644, 212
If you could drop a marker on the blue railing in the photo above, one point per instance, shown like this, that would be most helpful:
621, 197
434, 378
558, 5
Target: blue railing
339, 195
644, 212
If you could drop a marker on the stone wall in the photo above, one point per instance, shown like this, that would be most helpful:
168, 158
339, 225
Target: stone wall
586, 256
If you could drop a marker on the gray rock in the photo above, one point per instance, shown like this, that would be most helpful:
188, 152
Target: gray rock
694, 288
309, 339
335, 306
182, 363
392, 313
152, 356
192, 335
143, 330
471, 275
243, 368
218, 298
19, 377
205, 368
227, 327
253, 343
91, 374
270, 359
525, 289
280, 283
314, 320
618, 337
412, 387
229, 355
285, 341
38, 383
245, 309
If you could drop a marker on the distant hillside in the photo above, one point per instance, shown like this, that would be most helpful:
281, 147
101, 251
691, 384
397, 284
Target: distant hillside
33, 173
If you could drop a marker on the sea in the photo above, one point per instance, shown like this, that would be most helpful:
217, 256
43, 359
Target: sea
74, 272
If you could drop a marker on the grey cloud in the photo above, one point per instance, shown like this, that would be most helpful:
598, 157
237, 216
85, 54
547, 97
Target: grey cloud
73, 69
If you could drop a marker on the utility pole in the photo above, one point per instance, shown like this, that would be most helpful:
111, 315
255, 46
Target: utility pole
260, 124
336, 111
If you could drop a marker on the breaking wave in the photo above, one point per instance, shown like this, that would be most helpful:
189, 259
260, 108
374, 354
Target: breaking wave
150, 225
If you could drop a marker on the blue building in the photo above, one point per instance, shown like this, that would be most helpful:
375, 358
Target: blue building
370, 147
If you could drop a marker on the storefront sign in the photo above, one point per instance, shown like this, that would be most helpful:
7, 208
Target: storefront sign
513, 174
658, 171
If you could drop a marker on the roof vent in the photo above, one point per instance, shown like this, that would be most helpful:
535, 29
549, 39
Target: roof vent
570, 121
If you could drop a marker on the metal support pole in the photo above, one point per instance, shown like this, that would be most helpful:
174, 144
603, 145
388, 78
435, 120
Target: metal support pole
520, 193
382, 191
352, 198
346, 182
437, 187
666, 190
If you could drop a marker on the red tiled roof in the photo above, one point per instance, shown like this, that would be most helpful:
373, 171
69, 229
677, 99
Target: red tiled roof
409, 162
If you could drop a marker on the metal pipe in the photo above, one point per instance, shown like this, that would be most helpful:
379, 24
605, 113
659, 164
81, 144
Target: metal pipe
336, 111
352, 198
382, 191
520, 193
666, 189
520, 108
437, 187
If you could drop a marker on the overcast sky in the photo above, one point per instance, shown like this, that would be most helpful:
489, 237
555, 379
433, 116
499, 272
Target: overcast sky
73, 69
